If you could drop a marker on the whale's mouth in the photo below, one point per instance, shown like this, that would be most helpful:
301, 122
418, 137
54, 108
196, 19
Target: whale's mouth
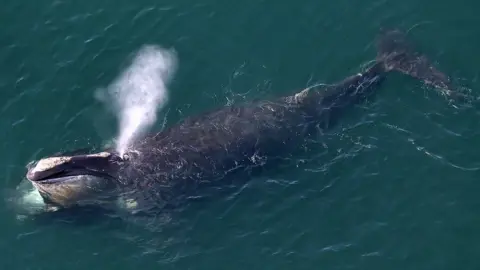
54, 169
65, 180
59, 173
67, 175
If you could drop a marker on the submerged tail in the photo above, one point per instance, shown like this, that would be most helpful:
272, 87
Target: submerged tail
396, 53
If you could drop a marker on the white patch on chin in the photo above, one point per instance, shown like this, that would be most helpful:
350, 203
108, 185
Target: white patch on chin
128, 204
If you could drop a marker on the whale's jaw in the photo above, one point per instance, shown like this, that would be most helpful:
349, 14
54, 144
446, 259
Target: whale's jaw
71, 180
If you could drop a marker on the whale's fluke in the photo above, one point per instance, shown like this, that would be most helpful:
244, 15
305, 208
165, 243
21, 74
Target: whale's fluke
397, 54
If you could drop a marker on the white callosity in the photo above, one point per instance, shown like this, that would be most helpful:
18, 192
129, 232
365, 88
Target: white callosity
49, 163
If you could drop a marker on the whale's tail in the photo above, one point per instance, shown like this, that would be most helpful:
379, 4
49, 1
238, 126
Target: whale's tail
396, 54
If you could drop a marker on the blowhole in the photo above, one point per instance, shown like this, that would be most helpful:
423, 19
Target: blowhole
129, 155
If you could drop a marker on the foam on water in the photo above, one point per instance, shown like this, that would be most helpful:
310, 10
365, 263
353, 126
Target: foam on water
139, 93
32, 199
25, 199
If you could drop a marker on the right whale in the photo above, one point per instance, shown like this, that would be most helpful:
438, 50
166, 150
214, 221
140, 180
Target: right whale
205, 150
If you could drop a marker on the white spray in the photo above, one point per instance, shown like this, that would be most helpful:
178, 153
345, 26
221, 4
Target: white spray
140, 92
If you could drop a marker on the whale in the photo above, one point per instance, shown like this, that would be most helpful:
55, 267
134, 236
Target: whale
162, 169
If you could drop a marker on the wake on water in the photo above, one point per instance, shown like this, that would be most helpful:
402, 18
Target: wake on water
139, 93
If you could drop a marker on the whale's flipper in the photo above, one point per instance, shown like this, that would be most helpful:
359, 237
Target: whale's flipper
397, 54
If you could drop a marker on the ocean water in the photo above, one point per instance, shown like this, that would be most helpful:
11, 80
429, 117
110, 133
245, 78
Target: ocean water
394, 186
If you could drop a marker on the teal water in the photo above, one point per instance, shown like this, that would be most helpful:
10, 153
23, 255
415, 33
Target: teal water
395, 186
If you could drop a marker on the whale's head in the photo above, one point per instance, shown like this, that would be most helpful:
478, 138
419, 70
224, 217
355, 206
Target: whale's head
68, 180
